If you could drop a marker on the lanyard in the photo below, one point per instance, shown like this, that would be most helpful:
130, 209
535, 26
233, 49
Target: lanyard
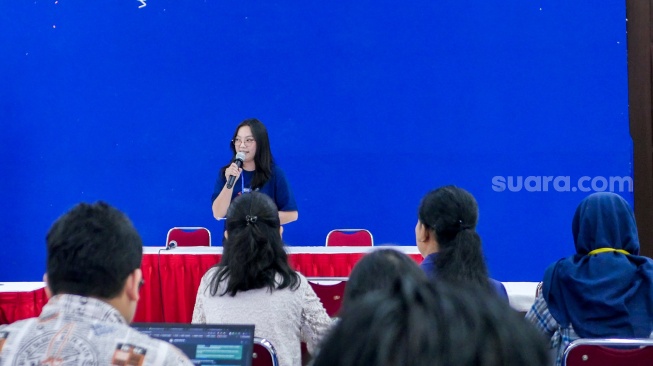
242, 184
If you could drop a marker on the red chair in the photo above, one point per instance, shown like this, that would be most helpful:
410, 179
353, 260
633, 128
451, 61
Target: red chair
188, 236
330, 295
264, 353
609, 352
349, 238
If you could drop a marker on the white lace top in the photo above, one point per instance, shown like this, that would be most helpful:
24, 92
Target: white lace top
284, 317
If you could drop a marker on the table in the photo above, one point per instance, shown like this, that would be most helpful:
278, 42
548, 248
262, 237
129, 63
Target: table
521, 294
173, 276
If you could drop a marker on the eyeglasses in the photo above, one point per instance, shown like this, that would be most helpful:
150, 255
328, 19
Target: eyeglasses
248, 141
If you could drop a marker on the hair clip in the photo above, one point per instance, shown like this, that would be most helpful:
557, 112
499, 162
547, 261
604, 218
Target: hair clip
462, 226
251, 219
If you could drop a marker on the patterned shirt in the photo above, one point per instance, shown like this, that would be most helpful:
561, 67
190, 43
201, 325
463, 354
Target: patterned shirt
74, 331
540, 316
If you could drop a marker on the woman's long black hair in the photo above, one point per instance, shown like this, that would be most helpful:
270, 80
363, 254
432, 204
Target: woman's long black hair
417, 322
452, 213
262, 159
254, 255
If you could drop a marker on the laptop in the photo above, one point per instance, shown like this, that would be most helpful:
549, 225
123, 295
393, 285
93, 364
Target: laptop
206, 344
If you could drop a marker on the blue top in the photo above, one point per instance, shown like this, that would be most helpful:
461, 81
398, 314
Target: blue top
276, 187
428, 265
608, 294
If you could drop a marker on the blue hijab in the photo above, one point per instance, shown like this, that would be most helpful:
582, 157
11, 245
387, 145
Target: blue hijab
609, 294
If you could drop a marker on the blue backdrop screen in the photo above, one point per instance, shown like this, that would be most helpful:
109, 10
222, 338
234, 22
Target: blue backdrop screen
369, 106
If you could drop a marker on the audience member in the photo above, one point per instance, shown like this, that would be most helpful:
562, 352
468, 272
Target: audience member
379, 270
447, 239
605, 290
254, 284
420, 323
93, 272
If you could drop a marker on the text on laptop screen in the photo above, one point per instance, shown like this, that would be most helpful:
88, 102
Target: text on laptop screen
206, 344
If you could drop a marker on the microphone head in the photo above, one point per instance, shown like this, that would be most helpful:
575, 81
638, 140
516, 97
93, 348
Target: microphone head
240, 156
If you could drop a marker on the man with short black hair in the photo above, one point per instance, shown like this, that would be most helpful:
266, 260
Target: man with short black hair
93, 280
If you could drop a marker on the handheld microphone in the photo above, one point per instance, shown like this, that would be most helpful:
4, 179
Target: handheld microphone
240, 157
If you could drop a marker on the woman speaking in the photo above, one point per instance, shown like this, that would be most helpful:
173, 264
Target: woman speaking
250, 147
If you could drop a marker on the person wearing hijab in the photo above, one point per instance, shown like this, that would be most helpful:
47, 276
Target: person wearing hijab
605, 290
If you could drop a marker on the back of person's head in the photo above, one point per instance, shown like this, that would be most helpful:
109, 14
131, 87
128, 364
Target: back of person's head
378, 270
91, 250
253, 254
421, 323
605, 220
452, 214
606, 258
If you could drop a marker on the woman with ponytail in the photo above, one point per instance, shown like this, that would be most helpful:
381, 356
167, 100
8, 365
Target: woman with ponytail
254, 283
447, 239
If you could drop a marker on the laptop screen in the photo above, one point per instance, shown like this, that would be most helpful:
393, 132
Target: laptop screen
206, 344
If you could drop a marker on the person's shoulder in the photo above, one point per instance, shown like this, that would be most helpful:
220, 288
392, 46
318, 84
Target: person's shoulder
210, 272
18, 325
497, 283
208, 275
648, 260
21, 326
303, 281
277, 171
553, 270
499, 288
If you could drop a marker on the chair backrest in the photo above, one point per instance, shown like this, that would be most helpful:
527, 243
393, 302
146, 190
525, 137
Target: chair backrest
349, 238
609, 352
264, 353
188, 236
330, 295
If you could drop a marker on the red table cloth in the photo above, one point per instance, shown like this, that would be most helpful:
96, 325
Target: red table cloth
21, 300
173, 276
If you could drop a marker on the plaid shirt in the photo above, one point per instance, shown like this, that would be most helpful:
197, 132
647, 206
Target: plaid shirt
540, 316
